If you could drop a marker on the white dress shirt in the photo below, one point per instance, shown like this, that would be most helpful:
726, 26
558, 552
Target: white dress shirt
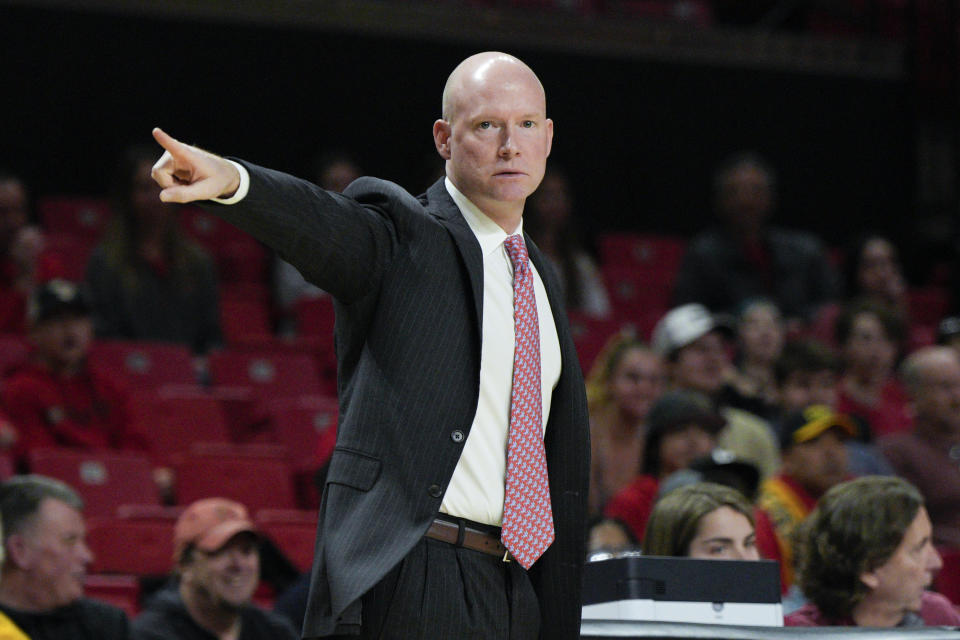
476, 490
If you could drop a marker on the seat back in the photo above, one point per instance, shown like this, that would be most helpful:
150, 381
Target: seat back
258, 476
104, 479
145, 365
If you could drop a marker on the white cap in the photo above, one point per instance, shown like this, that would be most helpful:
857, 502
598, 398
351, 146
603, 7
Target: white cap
683, 325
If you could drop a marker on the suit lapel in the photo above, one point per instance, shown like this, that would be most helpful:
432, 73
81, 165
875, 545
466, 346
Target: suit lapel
441, 205
550, 283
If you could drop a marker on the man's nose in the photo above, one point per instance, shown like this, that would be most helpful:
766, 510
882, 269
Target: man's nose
507, 147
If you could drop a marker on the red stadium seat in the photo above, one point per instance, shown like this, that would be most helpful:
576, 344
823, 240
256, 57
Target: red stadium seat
928, 305
315, 317
239, 257
104, 479
590, 334
14, 350
298, 423
145, 365
315, 321
7, 466
70, 253
121, 591
76, 216
268, 373
294, 531
138, 546
244, 321
636, 298
655, 257
307, 426
172, 420
258, 476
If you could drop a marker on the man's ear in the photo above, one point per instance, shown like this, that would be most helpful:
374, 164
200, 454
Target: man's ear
549, 136
441, 138
870, 579
19, 551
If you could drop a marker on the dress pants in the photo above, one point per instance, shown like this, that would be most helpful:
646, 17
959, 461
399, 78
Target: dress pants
443, 592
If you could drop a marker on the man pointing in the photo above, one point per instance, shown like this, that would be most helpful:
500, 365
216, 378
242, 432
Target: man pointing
455, 500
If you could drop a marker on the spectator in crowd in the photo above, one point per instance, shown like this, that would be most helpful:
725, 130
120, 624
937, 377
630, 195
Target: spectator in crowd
870, 337
814, 460
8, 629
608, 536
692, 341
23, 262
948, 333
807, 373
218, 569
867, 558
751, 385
873, 272
147, 281
41, 588
625, 381
552, 223
702, 520
682, 427
927, 455
56, 399
744, 257
333, 170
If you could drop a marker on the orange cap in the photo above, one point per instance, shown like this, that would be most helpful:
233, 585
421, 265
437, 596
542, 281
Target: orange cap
209, 523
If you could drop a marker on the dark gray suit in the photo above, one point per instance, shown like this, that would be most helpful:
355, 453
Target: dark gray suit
407, 277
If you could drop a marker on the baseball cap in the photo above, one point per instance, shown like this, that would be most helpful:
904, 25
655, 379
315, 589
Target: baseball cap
56, 298
948, 329
677, 408
811, 422
209, 524
683, 325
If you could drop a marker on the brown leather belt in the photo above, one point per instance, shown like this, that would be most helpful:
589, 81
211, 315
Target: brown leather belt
461, 534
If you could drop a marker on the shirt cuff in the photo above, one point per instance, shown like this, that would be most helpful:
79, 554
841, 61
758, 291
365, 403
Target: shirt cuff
241, 190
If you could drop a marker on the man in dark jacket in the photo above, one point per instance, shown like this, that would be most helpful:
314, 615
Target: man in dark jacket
218, 567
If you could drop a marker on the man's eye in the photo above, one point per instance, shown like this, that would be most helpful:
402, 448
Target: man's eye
486, 124
529, 124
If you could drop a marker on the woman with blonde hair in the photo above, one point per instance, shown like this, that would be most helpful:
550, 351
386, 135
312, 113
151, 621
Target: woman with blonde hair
624, 382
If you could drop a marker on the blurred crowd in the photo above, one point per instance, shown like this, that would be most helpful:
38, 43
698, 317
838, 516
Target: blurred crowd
736, 379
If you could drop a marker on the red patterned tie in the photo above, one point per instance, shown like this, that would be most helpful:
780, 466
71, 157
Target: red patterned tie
527, 516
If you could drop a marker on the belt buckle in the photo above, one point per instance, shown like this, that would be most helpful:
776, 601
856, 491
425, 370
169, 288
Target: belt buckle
506, 555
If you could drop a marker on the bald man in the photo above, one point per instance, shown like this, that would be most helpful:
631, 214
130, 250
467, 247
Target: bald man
928, 455
410, 543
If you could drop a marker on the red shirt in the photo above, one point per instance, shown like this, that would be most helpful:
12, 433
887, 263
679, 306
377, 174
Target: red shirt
634, 503
935, 611
890, 415
88, 410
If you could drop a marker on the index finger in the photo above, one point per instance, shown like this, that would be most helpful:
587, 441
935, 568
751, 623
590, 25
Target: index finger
176, 148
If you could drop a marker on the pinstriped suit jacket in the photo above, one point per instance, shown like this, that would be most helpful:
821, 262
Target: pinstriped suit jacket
406, 275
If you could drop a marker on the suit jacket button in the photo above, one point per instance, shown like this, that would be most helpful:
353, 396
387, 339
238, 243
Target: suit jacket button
435, 490
457, 435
